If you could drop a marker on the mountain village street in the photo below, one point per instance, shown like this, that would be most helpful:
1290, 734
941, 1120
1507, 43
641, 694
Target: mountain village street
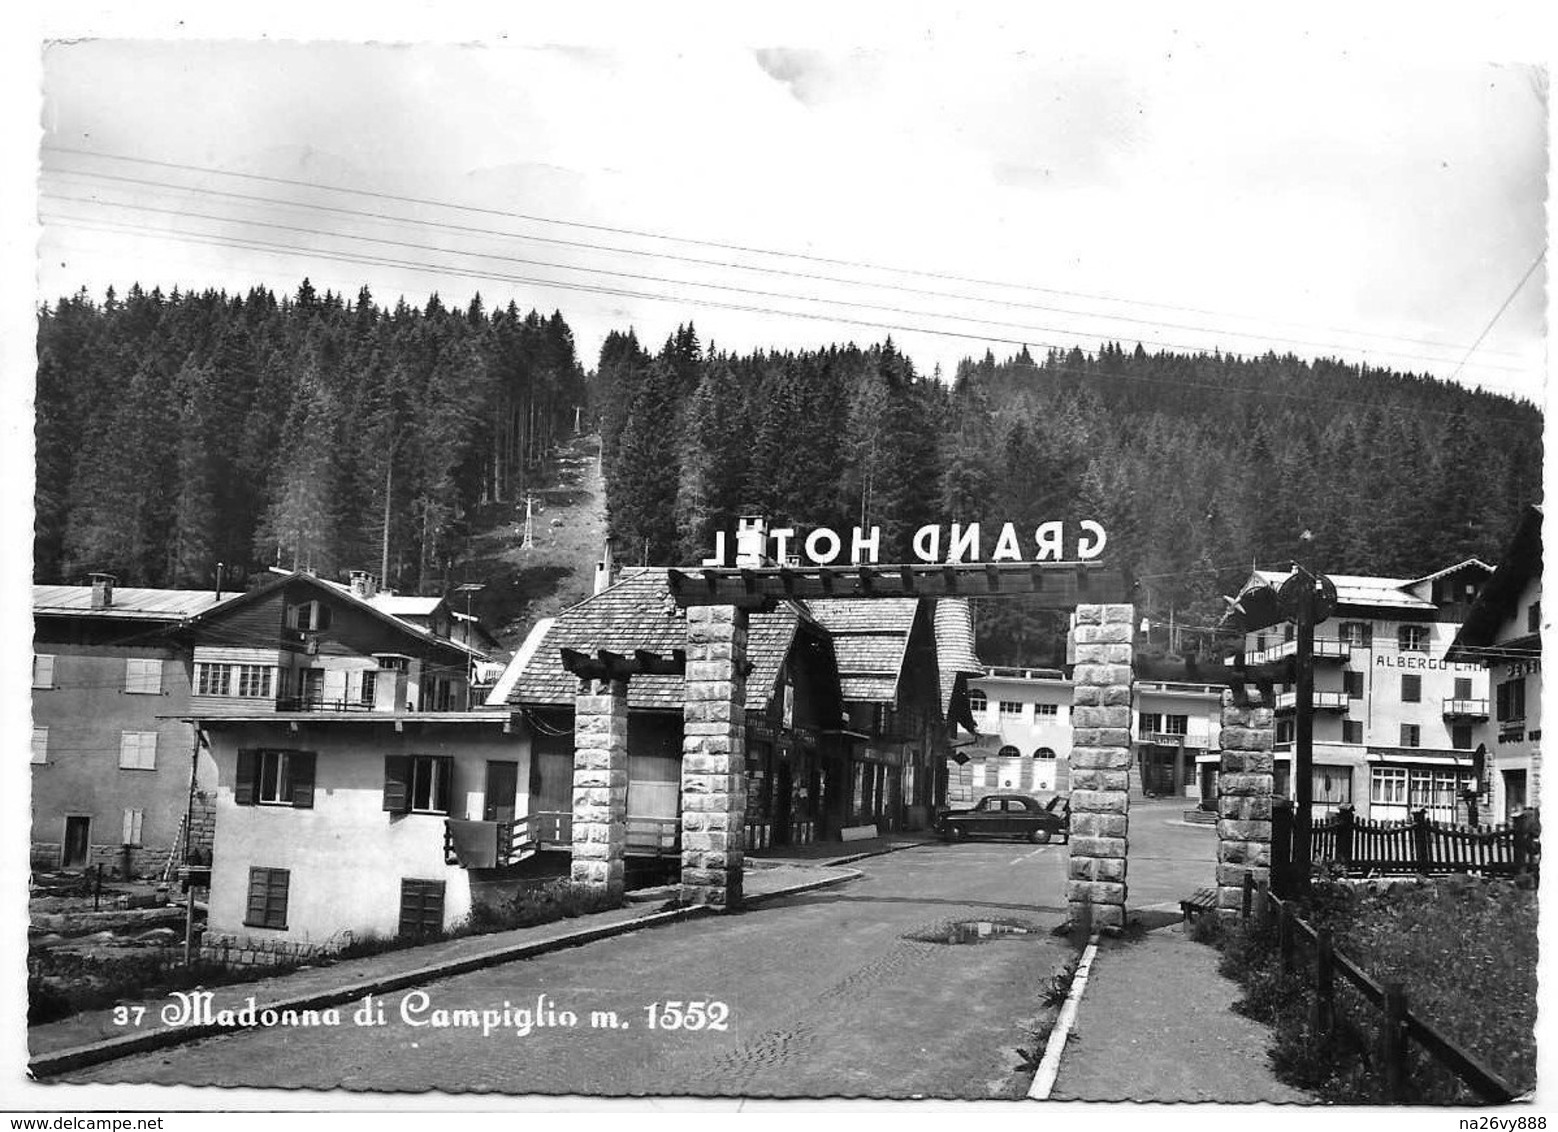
847, 991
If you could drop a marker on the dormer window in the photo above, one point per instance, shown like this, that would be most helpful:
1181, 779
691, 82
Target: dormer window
308, 616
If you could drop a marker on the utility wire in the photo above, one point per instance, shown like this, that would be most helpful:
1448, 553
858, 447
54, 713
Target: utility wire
1497, 314
643, 234
811, 276
419, 266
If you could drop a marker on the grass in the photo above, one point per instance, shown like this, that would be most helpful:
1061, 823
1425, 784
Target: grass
1464, 950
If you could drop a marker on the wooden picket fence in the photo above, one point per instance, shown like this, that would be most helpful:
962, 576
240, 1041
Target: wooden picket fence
1398, 1025
1350, 844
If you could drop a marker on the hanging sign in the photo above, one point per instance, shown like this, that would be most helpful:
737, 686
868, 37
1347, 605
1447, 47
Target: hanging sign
822, 546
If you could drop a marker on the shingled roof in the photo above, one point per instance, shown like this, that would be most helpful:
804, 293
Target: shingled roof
870, 638
954, 647
638, 612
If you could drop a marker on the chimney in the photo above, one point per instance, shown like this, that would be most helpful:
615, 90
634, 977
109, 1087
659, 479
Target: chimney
751, 541
364, 584
103, 590
605, 569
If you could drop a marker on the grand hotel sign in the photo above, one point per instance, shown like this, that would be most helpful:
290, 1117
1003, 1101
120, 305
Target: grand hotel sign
934, 543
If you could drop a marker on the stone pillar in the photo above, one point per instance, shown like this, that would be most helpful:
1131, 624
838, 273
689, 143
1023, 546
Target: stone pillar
1244, 790
1100, 763
600, 784
714, 779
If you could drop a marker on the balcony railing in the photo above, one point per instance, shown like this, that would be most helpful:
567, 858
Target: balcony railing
657, 837
319, 703
1324, 650
1323, 701
488, 844
1465, 708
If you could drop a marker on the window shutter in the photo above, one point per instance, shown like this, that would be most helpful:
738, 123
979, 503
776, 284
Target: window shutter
43, 671
397, 783
300, 765
248, 773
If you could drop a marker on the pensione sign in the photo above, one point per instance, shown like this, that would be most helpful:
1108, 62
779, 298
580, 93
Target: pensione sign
822, 546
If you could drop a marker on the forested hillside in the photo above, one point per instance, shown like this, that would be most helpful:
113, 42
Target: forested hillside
175, 432
1198, 465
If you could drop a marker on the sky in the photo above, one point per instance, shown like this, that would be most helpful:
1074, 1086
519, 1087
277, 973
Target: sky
781, 190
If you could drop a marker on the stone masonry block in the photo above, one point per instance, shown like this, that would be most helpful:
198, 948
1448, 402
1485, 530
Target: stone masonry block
1244, 853
1228, 830
1098, 846
1102, 717
1119, 614
1110, 869
1247, 738
1100, 780
1090, 615
1102, 674
1087, 696
1117, 694
1109, 916
1254, 785
1246, 807
1099, 825
1099, 801
1232, 876
1248, 762
1097, 891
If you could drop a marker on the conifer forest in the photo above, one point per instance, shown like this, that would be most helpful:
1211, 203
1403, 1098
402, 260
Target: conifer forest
177, 431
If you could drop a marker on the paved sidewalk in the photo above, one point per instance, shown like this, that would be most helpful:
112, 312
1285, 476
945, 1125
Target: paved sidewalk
95, 1036
843, 852
1156, 1024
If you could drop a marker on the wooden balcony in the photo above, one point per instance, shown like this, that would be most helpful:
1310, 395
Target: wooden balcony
488, 844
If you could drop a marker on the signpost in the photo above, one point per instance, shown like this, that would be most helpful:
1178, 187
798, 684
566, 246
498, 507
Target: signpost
1306, 599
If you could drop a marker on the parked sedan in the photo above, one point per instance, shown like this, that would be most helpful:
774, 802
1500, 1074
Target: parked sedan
1009, 815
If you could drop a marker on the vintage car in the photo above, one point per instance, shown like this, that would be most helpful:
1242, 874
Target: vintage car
1009, 815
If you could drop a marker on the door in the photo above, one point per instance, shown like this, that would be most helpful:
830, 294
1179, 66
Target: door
1514, 793
782, 788
502, 789
77, 841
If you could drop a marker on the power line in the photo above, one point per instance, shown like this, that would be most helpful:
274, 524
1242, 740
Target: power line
644, 234
1496, 315
811, 276
598, 289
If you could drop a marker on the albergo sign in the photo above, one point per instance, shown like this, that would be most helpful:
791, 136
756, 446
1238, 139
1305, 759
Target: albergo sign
822, 546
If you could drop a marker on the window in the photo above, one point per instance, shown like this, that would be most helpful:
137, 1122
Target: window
1463, 687
1046, 709
1011, 707
267, 898
143, 675
1332, 785
1044, 753
1356, 634
309, 616
42, 670
1352, 682
40, 744
1287, 633
1008, 752
1434, 789
1285, 730
1412, 638
1411, 689
213, 680
132, 827
1411, 735
1148, 722
421, 907
1176, 724
1512, 699
137, 750
420, 784
1260, 642
1387, 785
1352, 731
370, 688
1534, 617
275, 778
1460, 736
977, 701
254, 680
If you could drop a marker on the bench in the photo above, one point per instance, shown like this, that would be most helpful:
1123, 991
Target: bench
1204, 900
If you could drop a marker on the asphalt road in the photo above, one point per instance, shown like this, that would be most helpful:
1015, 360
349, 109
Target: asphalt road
849, 991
